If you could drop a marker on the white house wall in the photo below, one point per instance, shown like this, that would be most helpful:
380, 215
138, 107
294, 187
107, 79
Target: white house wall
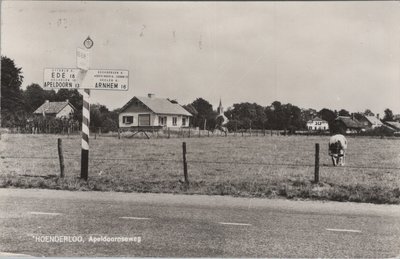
135, 119
153, 119
65, 112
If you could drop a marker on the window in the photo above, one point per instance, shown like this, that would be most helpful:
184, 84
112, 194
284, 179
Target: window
127, 119
183, 121
174, 121
162, 121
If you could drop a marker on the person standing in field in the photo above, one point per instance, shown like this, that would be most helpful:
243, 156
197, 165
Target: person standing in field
337, 149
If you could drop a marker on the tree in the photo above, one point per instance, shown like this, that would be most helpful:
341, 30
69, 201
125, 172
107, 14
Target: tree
368, 112
35, 96
388, 115
204, 112
330, 117
73, 96
12, 102
246, 115
344, 112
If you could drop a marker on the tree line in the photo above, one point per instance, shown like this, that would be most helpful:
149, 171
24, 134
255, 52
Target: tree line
17, 106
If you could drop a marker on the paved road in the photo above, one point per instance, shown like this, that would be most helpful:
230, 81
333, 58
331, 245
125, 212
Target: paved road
190, 225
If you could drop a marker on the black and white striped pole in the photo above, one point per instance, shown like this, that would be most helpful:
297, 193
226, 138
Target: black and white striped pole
83, 64
85, 134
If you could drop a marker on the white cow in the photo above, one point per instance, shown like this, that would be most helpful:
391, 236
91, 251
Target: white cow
337, 149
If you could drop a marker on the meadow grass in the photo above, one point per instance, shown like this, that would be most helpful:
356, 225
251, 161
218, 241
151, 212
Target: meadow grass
270, 166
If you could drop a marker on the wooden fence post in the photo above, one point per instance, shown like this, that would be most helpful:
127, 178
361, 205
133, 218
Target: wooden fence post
168, 133
61, 157
189, 132
316, 170
208, 133
119, 136
199, 132
185, 173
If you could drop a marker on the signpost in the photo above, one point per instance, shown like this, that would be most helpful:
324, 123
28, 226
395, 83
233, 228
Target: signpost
82, 59
86, 79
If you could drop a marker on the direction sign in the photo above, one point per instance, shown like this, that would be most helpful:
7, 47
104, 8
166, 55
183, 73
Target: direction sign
97, 79
82, 59
106, 79
61, 78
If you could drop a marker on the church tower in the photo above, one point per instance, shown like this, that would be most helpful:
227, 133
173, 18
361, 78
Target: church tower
220, 109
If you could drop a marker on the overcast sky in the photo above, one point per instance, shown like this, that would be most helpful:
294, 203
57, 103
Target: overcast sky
311, 54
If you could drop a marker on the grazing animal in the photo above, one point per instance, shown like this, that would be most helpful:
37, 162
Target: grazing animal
337, 149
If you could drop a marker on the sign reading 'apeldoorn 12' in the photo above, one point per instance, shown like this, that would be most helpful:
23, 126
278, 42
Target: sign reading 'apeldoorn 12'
96, 79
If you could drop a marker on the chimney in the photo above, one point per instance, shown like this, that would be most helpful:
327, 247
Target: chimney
67, 100
150, 95
47, 101
377, 116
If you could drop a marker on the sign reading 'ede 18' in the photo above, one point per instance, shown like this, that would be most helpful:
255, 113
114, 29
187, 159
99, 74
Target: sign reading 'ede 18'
97, 79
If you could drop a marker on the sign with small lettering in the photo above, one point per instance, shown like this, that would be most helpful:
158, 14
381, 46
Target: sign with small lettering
61, 78
82, 59
96, 79
106, 79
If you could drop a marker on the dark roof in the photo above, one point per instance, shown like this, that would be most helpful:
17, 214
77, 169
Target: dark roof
393, 124
52, 107
349, 122
159, 106
317, 119
190, 108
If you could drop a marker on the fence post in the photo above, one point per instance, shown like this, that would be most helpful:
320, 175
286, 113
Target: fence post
185, 173
119, 136
208, 133
189, 132
61, 157
95, 133
199, 132
316, 170
168, 133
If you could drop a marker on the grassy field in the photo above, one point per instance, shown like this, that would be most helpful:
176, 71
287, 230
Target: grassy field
270, 166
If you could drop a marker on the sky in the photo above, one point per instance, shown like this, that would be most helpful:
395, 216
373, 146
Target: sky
336, 55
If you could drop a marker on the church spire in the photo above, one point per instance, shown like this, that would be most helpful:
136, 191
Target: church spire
220, 109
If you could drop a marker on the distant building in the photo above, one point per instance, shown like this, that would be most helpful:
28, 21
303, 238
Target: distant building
150, 112
55, 109
317, 124
370, 122
221, 118
348, 125
393, 125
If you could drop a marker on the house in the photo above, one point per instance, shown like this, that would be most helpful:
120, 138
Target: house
55, 109
348, 125
369, 122
151, 112
393, 125
317, 124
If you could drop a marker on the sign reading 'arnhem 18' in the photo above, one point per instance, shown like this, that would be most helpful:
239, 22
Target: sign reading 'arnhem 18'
104, 79
99, 79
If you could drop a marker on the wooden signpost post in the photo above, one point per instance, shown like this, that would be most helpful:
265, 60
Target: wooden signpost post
84, 79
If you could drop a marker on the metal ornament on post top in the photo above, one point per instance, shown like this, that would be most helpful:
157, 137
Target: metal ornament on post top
88, 43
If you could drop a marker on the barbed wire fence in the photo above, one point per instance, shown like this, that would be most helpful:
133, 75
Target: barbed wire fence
184, 162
